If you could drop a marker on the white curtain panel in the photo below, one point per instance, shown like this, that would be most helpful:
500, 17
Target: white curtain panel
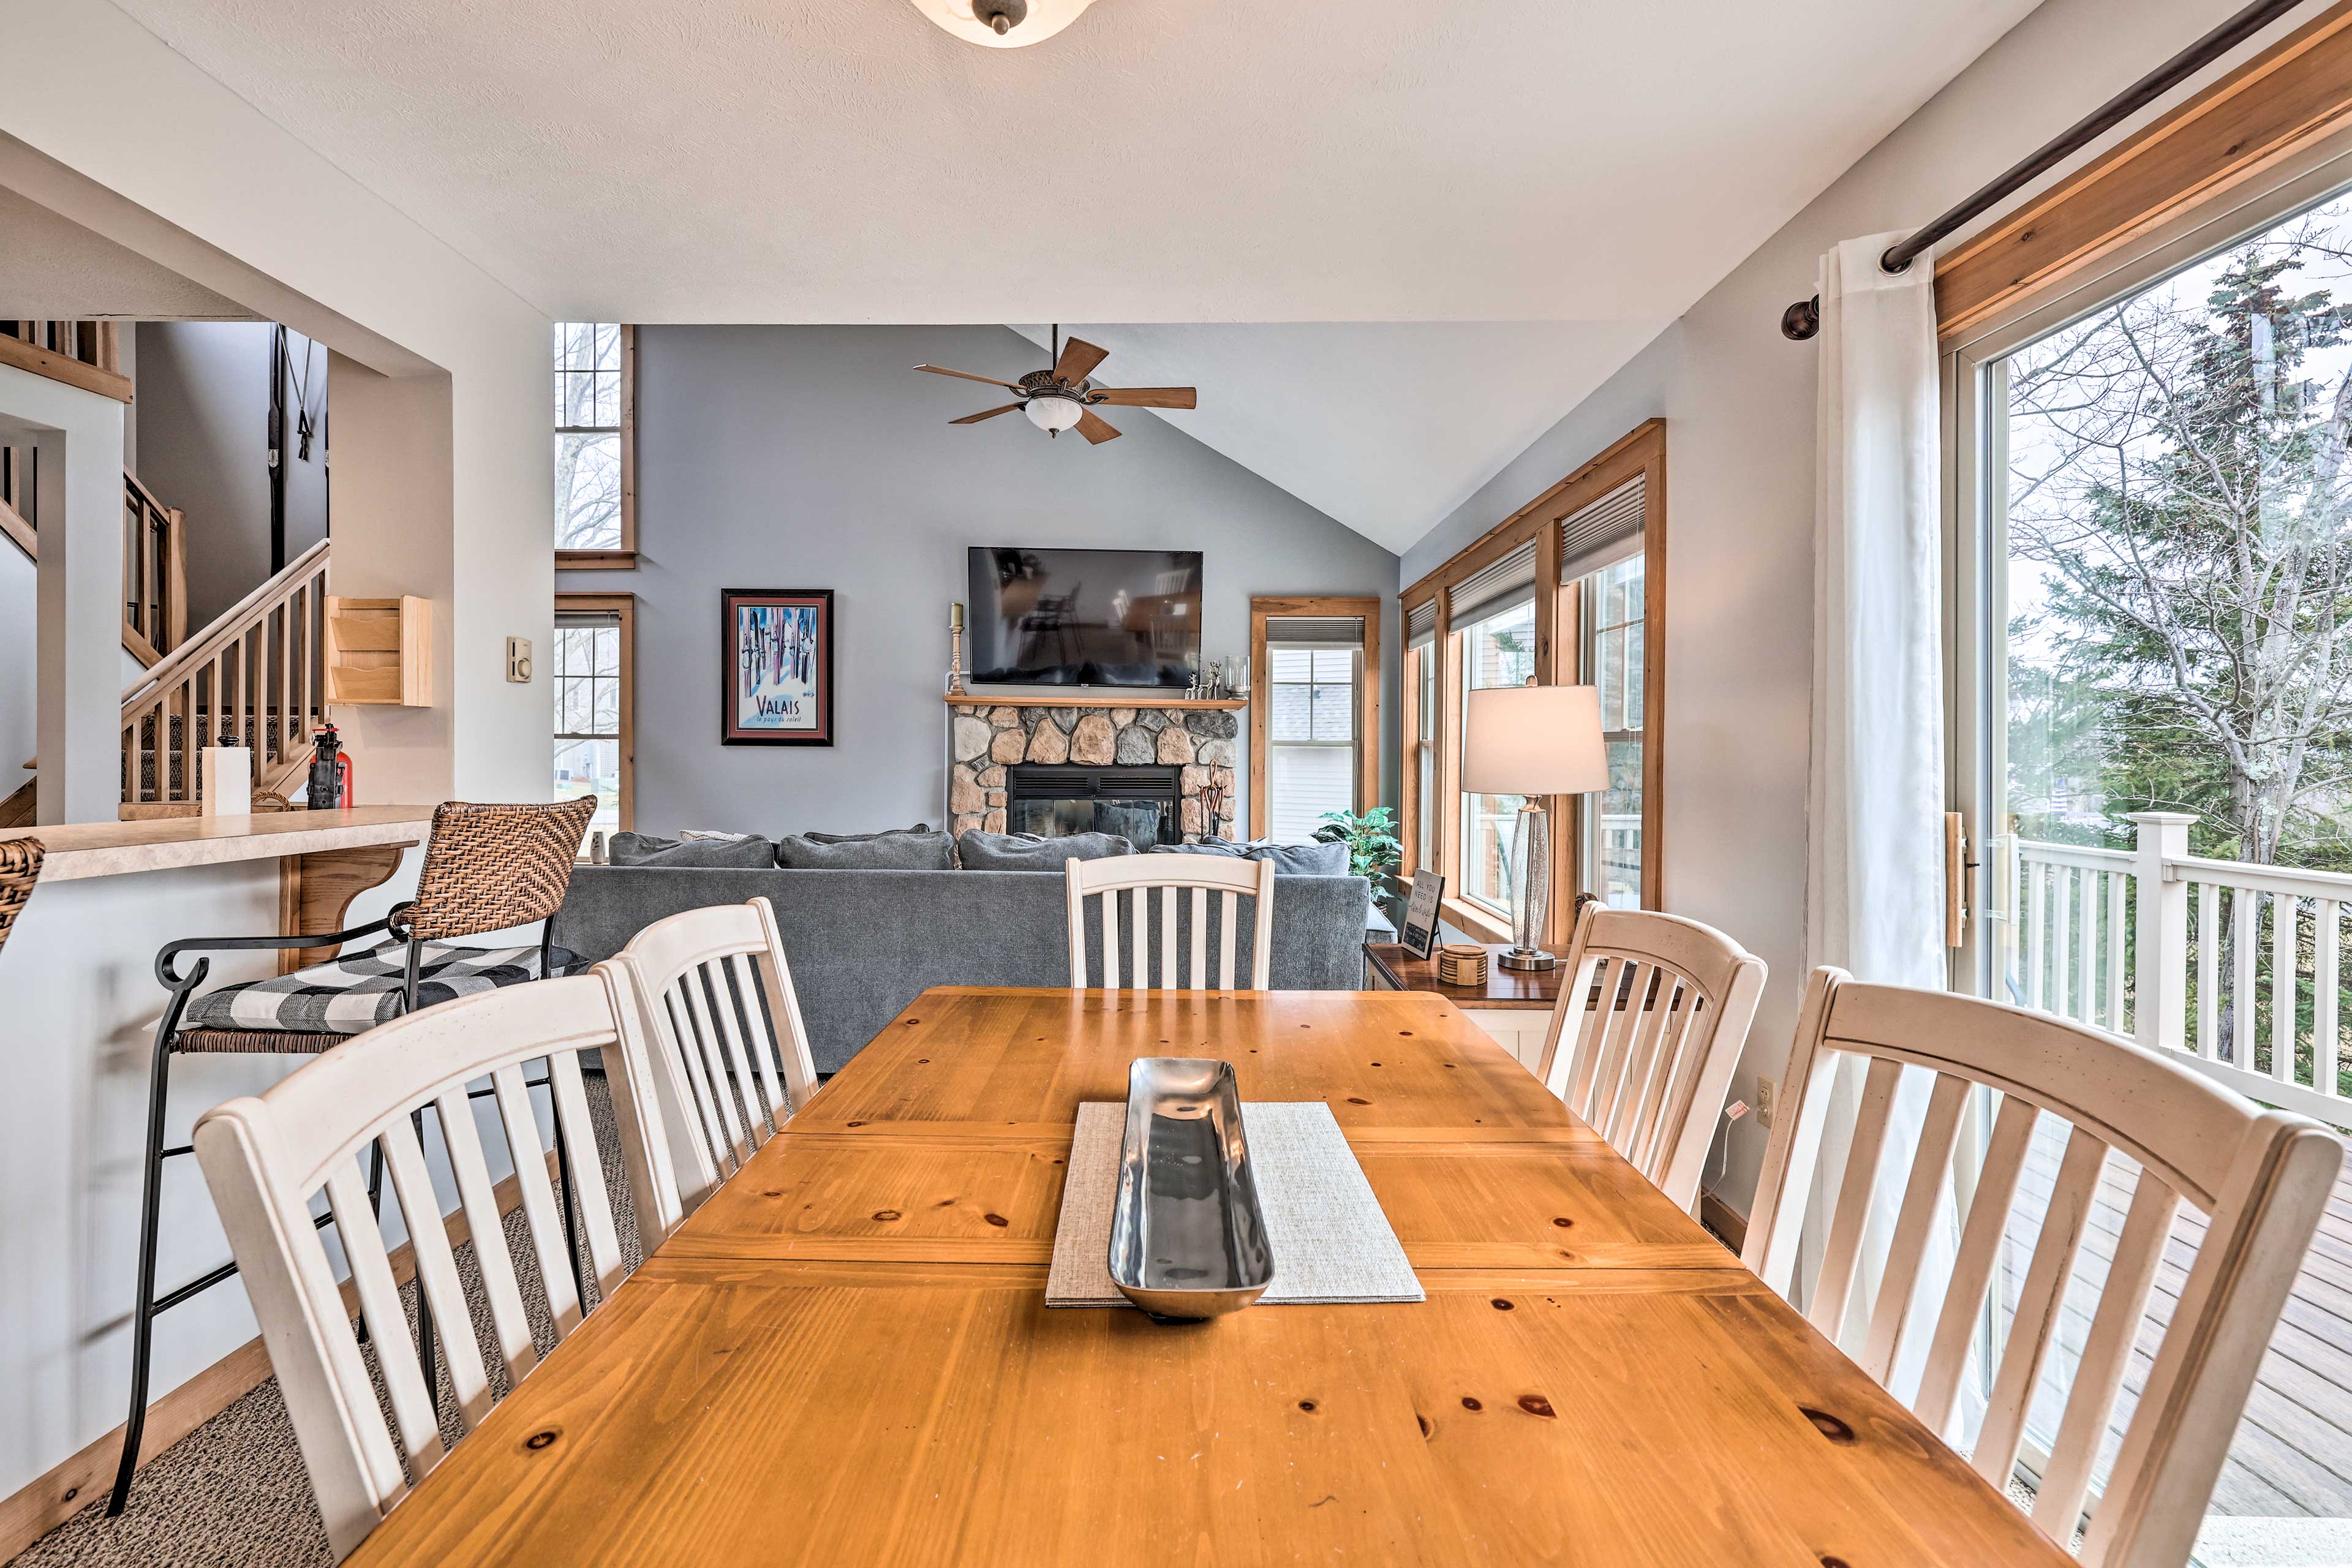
1874, 873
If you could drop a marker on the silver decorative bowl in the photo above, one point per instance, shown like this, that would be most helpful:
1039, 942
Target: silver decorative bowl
1187, 1237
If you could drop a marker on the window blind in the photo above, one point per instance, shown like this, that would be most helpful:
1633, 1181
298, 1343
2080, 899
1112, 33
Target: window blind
1316, 631
1597, 534
1500, 586
1421, 625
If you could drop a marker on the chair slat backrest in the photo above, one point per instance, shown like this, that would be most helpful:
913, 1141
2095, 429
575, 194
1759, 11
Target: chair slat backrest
490, 865
20, 868
1127, 947
720, 1019
1644, 1036
267, 1159
2262, 1178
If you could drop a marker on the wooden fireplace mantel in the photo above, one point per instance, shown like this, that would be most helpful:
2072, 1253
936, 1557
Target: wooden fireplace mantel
1231, 704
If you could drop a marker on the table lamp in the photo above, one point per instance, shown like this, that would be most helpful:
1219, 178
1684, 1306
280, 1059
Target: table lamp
1532, 741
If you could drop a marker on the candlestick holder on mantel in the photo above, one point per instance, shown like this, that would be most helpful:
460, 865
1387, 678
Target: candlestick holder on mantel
955, 654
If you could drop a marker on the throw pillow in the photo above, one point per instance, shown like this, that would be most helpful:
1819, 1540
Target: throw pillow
862, 838
1029, 852
708, 854
1289, 860
872, 852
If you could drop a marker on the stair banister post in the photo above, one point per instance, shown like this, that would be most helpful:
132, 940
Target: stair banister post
2160, 960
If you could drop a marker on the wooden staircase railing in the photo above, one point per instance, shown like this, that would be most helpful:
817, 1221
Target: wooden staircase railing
256, 677
154, 572
88, 355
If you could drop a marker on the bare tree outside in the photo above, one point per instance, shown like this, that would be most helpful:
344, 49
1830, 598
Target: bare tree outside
2181, 584
587, 380
2180, 560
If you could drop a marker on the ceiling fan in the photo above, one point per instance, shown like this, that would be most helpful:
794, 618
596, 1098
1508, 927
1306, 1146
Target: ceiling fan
1063, 398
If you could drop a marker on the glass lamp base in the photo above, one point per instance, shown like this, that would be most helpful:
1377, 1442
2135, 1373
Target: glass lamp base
1531, 890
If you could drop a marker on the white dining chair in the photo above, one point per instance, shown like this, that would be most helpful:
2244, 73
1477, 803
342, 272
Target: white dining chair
720, 1019
1126, 949
2262, 1178
267, 1158
1648, 1060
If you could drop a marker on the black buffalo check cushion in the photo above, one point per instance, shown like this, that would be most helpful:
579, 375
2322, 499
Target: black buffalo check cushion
353, 993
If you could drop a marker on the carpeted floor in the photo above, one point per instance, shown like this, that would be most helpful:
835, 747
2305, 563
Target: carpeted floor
234, 1492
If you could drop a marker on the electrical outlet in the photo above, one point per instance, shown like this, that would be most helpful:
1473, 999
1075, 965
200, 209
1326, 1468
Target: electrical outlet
519, 660
1767, 1095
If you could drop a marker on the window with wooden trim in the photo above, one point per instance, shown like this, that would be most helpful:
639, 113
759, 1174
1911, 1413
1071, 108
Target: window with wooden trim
594, 695
1567, 590
1315, 709
595, 376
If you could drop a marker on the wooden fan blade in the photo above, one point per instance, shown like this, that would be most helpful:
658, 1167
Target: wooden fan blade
967, 375
1078, 359
1148, 397
984, 413
1095, 428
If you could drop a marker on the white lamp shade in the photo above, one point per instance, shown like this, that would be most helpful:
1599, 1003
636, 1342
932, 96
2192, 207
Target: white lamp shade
1046, 18
1533, 740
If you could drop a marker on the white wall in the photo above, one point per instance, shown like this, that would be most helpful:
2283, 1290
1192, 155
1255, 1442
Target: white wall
267, 222
1737, 398
183, 172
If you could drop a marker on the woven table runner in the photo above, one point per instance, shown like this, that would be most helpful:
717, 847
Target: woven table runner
1331, 1243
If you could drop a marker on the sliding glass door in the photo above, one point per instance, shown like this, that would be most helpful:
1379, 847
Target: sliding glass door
2152, 639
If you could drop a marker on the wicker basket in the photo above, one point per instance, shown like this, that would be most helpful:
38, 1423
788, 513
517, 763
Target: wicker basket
1462, 964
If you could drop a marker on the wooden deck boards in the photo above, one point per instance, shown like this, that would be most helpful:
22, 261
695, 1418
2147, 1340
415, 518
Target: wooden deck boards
2292, 1455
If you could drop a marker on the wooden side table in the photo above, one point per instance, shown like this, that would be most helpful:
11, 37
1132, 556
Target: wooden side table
1514, 1006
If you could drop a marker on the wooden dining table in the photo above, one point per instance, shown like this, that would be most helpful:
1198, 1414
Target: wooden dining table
845, 1355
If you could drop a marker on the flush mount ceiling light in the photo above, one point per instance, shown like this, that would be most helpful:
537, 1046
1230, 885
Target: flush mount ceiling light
1002, 24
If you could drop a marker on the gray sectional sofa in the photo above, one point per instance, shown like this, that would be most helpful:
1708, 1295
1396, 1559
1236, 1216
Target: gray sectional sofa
863, 944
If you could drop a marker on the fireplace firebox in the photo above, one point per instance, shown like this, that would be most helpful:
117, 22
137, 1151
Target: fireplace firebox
1054, 801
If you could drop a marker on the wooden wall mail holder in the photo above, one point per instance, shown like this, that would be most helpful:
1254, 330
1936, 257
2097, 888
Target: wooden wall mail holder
380, 650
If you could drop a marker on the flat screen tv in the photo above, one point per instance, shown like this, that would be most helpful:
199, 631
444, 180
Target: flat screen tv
1085, 617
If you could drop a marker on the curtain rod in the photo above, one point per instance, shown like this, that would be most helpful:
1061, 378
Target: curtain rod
1803, 318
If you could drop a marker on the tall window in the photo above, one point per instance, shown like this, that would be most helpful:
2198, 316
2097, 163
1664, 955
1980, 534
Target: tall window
1499, 650
1314, 712
1612, 610
595, 460
1420, 751
1311, 729
1566, 591
594, 717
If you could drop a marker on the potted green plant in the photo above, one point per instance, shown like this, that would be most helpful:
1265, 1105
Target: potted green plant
1373, 851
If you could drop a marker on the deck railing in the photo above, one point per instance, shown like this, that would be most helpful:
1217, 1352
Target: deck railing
2233, 966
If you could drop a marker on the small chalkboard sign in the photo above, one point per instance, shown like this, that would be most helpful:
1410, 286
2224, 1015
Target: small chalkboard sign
1421, 913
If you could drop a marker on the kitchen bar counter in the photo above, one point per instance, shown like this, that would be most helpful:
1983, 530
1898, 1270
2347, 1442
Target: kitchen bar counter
76, 850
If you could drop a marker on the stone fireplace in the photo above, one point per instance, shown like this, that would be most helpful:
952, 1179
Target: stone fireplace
1081, 763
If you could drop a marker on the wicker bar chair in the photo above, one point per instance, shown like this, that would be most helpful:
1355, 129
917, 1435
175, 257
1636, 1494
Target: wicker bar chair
20, 868
486, 867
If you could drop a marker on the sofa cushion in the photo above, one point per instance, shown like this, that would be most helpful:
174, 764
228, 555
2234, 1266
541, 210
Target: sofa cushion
1029, 852
1289, 860
711, 854
863, 944
876, 852
863, 837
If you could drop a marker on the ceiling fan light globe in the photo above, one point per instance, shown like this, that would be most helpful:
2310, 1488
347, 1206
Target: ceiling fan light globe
977, 21
1054, 415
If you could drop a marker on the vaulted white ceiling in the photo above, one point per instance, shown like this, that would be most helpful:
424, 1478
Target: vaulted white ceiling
1160, 162
1387, 426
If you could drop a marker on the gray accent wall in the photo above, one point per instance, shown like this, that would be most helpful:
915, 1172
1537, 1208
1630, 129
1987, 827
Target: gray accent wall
815, 458
203, 445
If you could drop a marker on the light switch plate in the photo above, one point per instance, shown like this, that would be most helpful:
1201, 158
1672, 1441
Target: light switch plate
519, 660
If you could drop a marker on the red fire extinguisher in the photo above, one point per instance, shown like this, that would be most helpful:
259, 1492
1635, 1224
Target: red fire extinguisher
332, 773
